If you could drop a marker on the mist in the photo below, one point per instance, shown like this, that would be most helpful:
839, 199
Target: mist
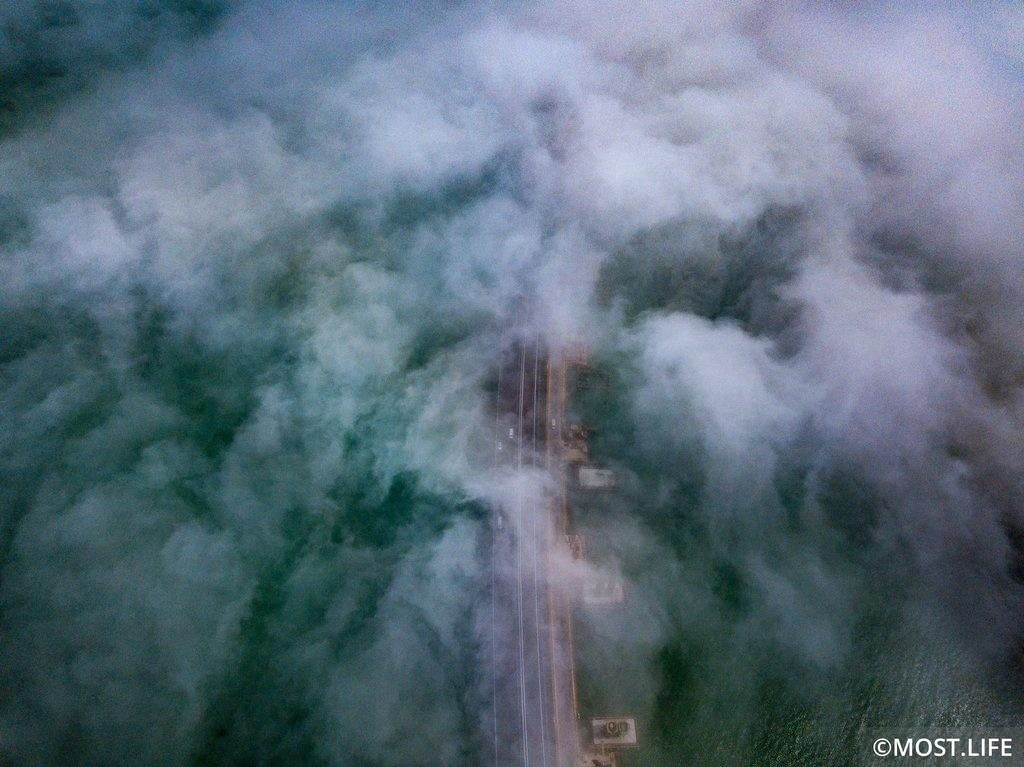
256, 260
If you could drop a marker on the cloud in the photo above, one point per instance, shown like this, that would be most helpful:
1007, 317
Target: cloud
256, 262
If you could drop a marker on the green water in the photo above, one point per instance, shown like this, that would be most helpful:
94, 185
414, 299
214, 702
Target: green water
257, 260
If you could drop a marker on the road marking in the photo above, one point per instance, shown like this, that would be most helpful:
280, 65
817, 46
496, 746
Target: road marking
519, 562
494, 582
536, 556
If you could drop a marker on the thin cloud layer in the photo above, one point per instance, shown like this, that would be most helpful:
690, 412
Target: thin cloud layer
255, 264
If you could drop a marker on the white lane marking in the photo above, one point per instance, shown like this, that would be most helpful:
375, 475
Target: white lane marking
519, 564
494, 583
536, 556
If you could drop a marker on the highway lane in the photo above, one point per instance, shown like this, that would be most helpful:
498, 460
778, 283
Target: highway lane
525, 641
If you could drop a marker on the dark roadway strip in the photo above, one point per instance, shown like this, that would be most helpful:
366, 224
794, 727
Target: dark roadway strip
520, 663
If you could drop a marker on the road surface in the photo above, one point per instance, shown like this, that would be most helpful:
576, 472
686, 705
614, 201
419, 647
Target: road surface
530, 721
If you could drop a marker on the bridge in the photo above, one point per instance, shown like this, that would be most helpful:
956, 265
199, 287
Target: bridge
535, 718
